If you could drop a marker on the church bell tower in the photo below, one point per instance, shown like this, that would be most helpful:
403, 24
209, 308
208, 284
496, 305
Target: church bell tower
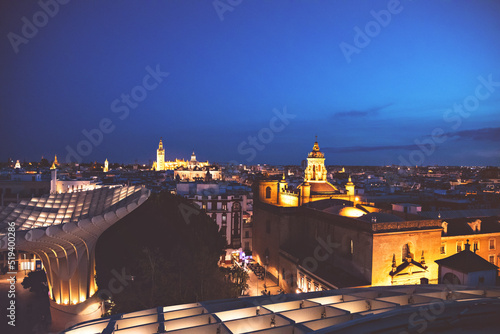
160, 157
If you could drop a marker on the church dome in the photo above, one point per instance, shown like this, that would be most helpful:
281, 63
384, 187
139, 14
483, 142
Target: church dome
320, 187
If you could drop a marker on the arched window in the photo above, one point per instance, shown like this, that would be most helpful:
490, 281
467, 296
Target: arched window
352, 247
268, 192
407, 251
450, 278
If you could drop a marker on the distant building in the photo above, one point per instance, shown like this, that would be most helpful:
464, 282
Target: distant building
467, 268
197, 171
314, 188
58, 186
106, 166
231, 209
483, 233
160, 157
407, 208
160, 164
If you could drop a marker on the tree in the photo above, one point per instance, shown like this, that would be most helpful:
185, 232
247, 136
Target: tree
36, 281
171, 248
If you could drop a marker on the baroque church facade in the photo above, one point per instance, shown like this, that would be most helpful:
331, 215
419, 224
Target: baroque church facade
316, 237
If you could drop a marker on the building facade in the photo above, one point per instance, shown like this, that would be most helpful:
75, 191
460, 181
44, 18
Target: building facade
161, 165
317, 237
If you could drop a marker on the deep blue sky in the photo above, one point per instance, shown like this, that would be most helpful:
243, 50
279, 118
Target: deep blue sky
227, 76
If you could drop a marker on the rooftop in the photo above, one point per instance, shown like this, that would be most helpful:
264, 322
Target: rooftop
355, 310
55, 209
466, 262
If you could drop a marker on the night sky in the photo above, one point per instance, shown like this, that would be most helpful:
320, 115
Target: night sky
378, 82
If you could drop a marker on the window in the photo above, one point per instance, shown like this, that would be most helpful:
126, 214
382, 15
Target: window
223, 228
443, 249
316, 287
308, 285
492, 244
459, 246
268, 192
475, 246
224, 205
407, 251
283, 273
247, 234
204, 205
492, 259
352, 247
268, 226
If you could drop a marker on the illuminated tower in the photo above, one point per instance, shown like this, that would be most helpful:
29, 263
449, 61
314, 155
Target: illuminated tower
55, 160
192, 163
106, 166
160, 157
53, 178
18, 165
349, 187
315, 171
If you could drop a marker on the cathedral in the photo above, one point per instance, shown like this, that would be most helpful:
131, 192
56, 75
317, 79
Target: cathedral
161, 165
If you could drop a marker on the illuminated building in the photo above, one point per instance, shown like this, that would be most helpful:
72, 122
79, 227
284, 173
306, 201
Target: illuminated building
443, 309
230, 205
62, 229
314, 237
160, 164
468, 268
106, 166
160, 157
18, 165
195, 170
314, 188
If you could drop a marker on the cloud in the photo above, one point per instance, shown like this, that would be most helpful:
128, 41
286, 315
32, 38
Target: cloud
354, 149
360, 113
483, 134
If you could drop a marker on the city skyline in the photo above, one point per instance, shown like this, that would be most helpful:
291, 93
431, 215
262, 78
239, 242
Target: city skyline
379, 83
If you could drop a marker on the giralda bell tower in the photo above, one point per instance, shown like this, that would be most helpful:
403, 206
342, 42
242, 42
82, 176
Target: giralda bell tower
160, 157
